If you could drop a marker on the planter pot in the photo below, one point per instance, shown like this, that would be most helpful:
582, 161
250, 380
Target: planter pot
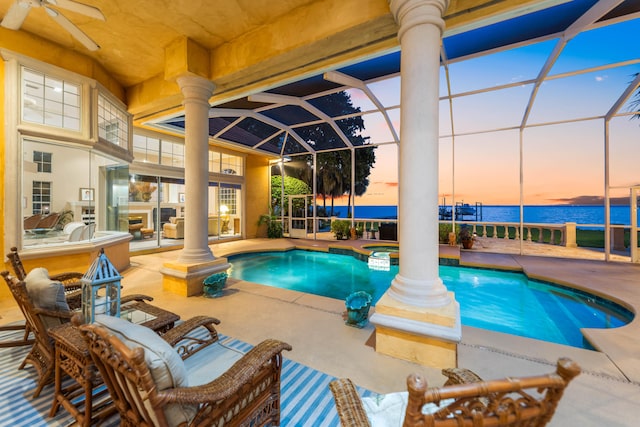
467, 244
358, 305
214, 285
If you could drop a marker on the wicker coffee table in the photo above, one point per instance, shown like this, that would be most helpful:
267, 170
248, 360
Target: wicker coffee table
72, 357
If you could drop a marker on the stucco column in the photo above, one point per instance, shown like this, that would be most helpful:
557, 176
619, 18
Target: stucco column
420, 33
196, 91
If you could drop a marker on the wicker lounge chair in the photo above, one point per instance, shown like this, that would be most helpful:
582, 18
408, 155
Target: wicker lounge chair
513, 402
214, 385
38, 321
70, 280
25, 340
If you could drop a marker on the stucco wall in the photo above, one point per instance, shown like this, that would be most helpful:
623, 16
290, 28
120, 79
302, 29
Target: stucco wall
257, 194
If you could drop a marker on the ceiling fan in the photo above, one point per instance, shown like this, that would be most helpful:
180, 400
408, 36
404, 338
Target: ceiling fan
20, 9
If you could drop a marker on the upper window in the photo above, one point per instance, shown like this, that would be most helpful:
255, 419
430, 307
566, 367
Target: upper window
113, 122
227, 164
50, 101
43, 161
172, 154
41, 197
146, 149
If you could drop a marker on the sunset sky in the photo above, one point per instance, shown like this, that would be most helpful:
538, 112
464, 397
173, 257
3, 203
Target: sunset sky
563, 142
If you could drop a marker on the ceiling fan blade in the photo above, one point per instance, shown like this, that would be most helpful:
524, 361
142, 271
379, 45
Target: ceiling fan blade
72, 29
15, 16
83, 9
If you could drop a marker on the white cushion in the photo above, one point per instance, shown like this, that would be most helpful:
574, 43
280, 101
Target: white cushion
209, 363
388, 410
69, 227
166, 366
46, 294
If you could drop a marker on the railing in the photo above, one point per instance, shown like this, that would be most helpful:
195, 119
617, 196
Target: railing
554, 234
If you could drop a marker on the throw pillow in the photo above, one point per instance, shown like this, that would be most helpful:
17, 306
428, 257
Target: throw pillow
165, 365
46, 294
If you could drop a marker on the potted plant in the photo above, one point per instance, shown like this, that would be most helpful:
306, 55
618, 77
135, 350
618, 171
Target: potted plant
465, 236
340, 228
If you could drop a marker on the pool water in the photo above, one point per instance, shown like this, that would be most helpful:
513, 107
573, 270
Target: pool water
495, 300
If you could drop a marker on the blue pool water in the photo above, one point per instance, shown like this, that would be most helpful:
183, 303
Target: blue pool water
495, 300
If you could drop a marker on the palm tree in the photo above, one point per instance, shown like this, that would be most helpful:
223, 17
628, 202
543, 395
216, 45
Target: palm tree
333, 168
635, 102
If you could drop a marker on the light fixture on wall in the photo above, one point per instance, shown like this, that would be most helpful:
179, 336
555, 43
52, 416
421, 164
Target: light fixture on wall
224, 216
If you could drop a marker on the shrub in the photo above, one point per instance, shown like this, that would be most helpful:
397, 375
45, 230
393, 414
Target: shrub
340, 228
274, 227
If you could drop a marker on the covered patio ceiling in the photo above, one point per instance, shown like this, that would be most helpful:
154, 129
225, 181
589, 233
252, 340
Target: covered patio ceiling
272, 121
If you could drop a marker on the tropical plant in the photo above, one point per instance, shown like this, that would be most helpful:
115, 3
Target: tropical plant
333, 168
340, 228
274, 226
635, 102
292, 186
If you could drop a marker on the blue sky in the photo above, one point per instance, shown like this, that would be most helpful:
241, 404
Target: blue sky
562, 160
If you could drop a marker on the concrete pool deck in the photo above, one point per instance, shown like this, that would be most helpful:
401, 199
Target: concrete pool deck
606, 393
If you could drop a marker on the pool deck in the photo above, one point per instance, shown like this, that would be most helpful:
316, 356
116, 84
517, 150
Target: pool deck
606, 393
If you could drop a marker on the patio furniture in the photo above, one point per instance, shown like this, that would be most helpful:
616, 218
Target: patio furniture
49, 222
88, 231
158, 381
31, 222
49, 310
174, 229
70, 280
524, 401
72, 357
18, 342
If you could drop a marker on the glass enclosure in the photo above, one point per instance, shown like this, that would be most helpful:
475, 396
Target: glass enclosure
157, 201
70, 194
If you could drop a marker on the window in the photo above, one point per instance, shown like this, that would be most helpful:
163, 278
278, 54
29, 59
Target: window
214, 161
172, 154
43, 161
113, 122
228, 199
146, 149
231, 165
50, 101
41, 197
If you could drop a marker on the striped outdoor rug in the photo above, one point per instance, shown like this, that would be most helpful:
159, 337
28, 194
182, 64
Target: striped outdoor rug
306, 399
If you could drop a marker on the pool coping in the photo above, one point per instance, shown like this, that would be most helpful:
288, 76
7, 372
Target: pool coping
614, 281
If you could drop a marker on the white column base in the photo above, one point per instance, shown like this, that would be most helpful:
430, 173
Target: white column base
186, 278
420, 293
188, 256
424, 335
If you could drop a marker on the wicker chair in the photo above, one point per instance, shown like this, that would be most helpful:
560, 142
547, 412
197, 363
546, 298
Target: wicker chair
513, 402
246, 391
25, 340
41, 356
70, 280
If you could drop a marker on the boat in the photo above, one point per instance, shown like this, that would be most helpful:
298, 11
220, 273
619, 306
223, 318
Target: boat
463, 209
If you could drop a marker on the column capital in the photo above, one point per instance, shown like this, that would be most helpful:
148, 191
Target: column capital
195, 89
410, 13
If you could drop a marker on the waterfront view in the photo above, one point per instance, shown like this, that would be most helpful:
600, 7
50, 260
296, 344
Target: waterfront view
543, 214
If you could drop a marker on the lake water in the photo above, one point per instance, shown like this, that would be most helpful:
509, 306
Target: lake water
551, 214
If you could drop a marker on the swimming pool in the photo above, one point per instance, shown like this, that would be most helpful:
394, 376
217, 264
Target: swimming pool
495, 300
382, 248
